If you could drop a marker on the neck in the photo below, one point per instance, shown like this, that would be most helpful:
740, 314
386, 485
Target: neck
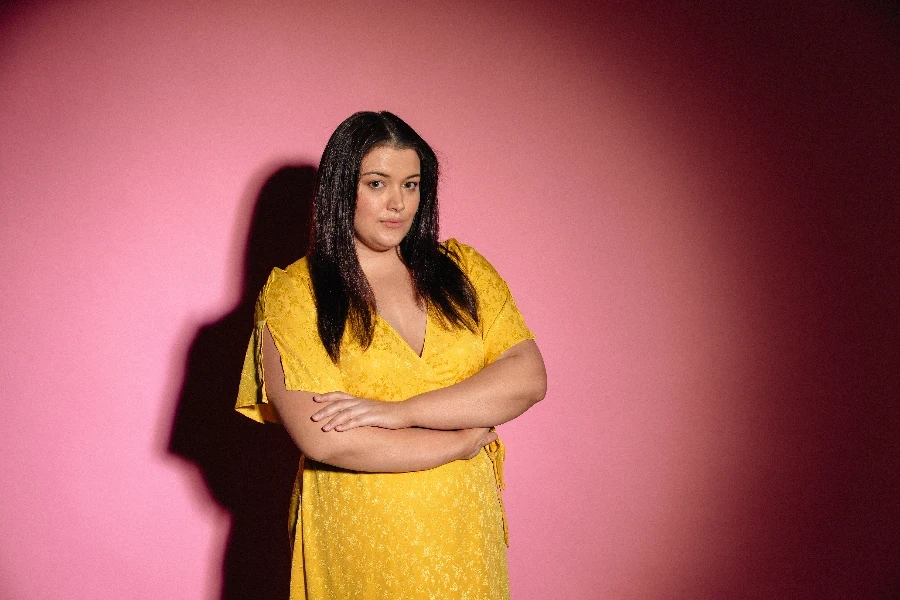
373, 262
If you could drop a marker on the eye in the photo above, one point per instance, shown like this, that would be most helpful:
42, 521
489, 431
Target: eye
411, 185
375, 184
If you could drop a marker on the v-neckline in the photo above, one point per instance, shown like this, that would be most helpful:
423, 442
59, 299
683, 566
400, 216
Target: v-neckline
399, 337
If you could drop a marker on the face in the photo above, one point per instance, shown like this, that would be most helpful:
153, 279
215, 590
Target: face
387, 197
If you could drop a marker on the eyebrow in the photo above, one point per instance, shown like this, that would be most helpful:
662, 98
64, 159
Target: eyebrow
380, 174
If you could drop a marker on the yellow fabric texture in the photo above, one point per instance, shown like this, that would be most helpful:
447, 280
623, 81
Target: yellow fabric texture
439, 533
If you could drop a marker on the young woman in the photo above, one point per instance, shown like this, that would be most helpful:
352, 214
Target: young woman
389, 357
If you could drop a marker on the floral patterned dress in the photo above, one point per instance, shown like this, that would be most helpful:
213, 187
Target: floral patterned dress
436, 534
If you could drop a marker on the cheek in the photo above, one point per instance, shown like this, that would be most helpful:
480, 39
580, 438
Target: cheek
364, 205
359, 214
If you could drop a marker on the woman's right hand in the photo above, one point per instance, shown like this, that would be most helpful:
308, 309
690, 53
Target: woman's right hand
476, 439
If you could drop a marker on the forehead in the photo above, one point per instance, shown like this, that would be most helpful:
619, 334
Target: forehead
391, 161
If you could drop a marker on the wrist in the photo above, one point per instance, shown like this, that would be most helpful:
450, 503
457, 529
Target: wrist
409, 412
464, 444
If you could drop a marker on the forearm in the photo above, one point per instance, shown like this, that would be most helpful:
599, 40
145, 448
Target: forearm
364, 449
498, 393
370, 449
377, 450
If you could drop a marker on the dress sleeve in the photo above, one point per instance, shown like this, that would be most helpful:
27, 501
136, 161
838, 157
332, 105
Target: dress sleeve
502, 325
286, 306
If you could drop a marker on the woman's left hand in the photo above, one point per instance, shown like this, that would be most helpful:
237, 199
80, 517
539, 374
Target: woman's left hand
348, 412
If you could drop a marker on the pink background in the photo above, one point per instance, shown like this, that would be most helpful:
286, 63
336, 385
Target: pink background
696, 209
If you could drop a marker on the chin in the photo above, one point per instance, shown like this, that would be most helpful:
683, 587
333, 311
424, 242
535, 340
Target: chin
392, 244
392, 241
383, 241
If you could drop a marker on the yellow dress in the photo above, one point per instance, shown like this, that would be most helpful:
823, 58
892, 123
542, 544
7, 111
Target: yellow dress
434, 534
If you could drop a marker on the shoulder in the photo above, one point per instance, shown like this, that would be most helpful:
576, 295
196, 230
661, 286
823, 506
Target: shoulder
476, 267
467, 257
288, 288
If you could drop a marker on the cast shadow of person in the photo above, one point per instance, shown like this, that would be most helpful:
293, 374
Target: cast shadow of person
248, 468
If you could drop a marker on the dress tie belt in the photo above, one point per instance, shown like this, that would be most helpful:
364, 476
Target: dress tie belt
496, 451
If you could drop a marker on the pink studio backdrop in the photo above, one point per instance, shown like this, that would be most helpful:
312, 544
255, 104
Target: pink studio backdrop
696, 209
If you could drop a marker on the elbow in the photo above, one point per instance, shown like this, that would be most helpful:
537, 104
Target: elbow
316, 452
534, 379
542, 392
312, 442
330, 448
322, 447
538, 376
537, 389
532, 373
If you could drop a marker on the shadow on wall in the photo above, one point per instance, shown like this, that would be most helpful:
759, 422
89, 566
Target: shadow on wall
248, 468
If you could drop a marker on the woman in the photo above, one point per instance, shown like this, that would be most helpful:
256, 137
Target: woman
389, 358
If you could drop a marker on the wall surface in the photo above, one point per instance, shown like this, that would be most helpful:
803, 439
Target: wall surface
696, 208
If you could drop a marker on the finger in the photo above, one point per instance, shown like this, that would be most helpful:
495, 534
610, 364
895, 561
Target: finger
332, 396
332, 409
489, 439
353, 423
338, 419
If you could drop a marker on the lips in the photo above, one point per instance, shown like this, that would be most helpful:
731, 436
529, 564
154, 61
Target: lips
393, 224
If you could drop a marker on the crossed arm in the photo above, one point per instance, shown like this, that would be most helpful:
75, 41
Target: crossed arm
422, 432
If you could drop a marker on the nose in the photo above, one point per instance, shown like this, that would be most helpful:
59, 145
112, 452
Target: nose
395, 200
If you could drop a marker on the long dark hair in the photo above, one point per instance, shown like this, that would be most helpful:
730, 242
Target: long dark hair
341, 289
